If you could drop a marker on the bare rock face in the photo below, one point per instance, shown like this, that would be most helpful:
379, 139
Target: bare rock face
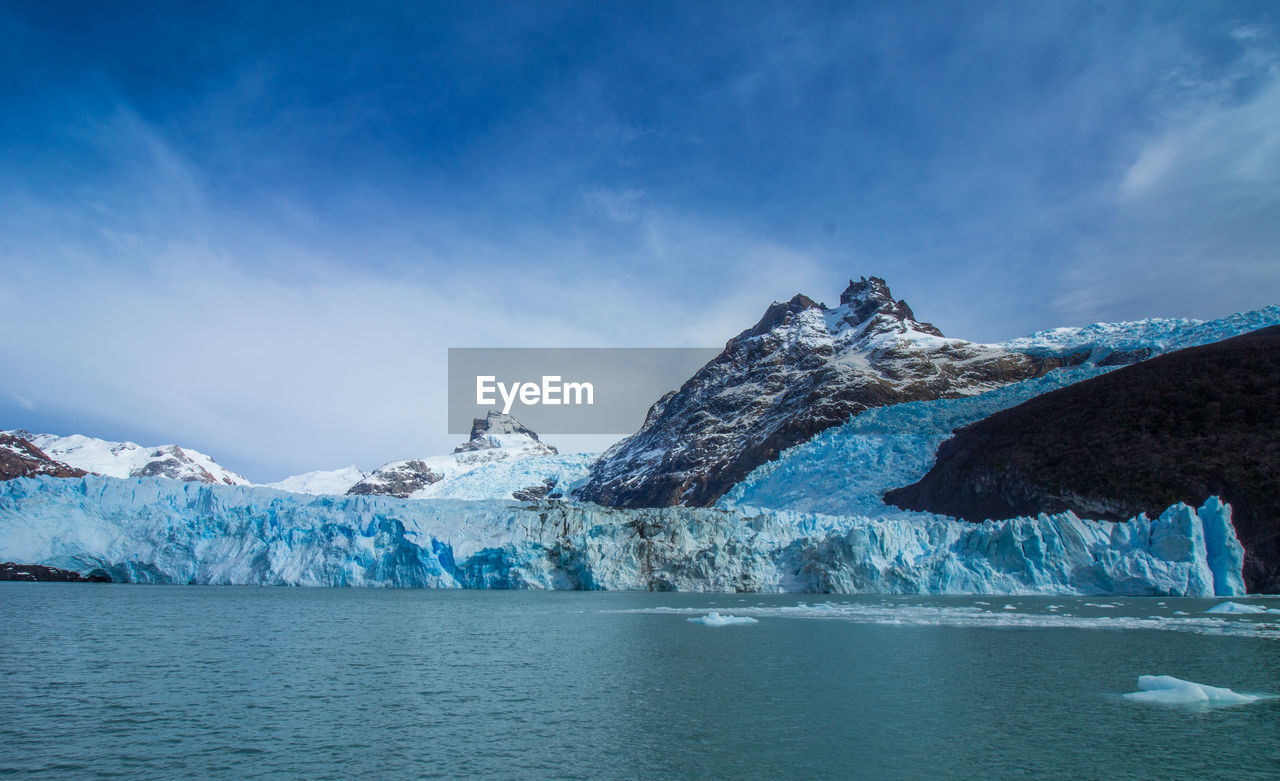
399, 479
20, 458
802, 369
1179, 427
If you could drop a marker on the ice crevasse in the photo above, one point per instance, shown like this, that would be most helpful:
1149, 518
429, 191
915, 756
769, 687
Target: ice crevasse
165, 531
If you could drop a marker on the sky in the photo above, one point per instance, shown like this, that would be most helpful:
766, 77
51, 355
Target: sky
254, 229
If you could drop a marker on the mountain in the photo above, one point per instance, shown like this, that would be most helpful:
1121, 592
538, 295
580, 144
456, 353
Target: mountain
333, 482
800, 370
126, 459
497, 437
847, 469
503, 459
162, 531
1179, 427
20, 458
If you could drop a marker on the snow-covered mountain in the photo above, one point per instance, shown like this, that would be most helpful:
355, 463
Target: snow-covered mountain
805, 368
848, 468
322, 482
127, 459
503, 459
162, 531
863, 393
802, 369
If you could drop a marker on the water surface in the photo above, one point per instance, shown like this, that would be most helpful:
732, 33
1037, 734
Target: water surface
252, 682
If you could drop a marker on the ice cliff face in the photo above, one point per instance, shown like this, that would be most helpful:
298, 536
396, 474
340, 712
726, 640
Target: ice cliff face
171, 532
802, 369
126, 459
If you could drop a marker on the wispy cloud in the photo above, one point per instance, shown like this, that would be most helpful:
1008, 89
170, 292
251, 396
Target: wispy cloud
262, 246
1196, 215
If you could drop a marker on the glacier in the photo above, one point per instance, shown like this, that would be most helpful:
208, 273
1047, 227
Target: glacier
164, 531
847, 469
1153, 336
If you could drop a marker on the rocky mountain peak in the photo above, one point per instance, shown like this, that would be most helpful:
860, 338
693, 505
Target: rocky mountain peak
496, 430
800, 370
870, 299
779, 313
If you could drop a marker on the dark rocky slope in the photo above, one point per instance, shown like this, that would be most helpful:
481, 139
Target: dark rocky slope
1179, 427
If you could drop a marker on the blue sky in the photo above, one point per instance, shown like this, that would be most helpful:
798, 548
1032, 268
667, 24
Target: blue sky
254, 229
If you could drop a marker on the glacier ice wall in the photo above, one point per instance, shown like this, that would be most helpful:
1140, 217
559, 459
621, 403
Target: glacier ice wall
163, 531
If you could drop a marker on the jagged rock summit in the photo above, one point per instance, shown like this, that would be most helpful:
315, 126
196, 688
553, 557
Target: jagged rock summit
869, 301
801, 369
494, 438
496, 431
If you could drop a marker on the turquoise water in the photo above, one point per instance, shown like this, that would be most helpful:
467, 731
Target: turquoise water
170, 682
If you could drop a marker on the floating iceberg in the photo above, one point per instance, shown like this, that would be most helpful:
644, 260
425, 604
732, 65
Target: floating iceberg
1167, 690
715, 619
164, 531
1236, 607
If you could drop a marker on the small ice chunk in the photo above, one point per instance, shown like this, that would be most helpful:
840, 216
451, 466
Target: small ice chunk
715, 619
1236, 607
1010, 607
1168, 690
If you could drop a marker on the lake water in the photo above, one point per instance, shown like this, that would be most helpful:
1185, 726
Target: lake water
231, 682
